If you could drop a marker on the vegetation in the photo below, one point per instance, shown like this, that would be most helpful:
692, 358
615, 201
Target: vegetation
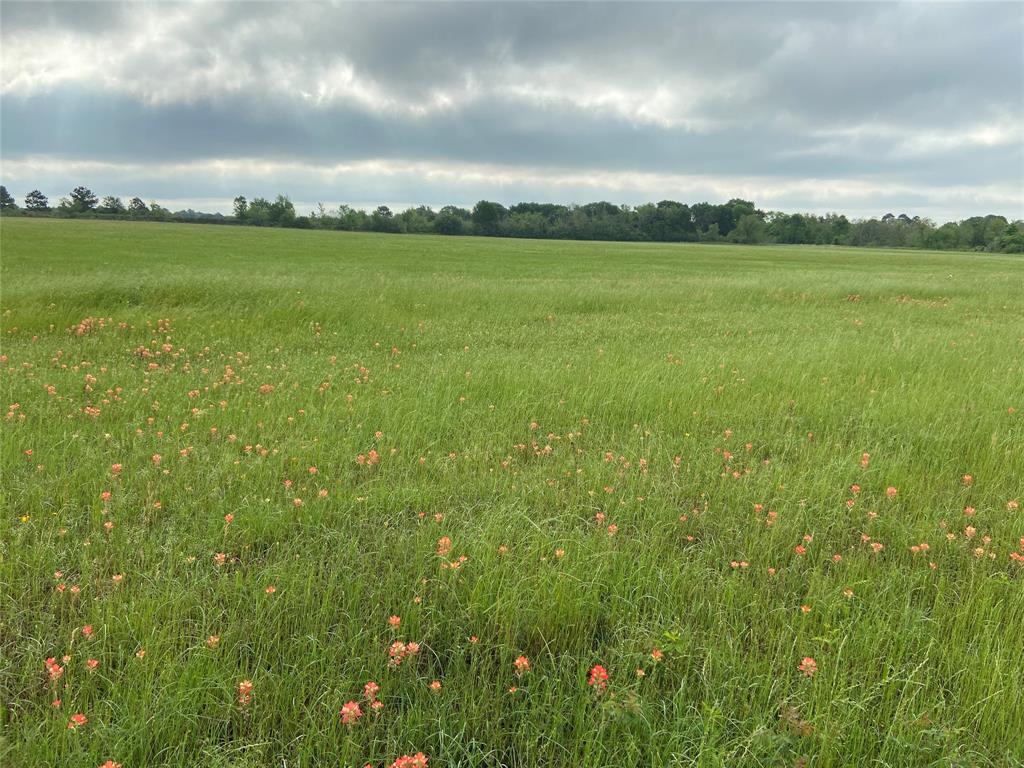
563, 504
737, 221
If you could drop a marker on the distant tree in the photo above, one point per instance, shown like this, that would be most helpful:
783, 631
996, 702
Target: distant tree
282, 212
6, 201
136, 207
111, 204
451, 221
1012, 239
157, 211
487, 217
258, 212
711, 234
750, 230
241, 207
383, 220
36, 201
82, 199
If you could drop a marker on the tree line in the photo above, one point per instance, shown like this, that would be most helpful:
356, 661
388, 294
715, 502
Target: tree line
736, 221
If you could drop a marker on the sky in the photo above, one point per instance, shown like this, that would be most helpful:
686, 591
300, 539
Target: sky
860, 108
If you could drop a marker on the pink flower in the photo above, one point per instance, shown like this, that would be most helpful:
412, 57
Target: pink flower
522, 664
808, 666
245, 692
419, 760
351, 712
77, 720
598, 678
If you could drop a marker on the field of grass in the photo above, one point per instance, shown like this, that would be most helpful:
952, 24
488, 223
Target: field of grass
773, 492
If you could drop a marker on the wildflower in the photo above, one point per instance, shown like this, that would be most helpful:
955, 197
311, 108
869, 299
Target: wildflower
522, 664
808, 666
77, 720
141, 653
396, 652
351, 712
444, 546
245, 692
394, 621
92, 663
110, 764
613, 529
435, 685
598, 678
53, 669
865, 458
229, 518
847, 593
891, 492
559, 554
87, 630
968, 479
370, 691
213, 641
419, 760
657, 655
271, 589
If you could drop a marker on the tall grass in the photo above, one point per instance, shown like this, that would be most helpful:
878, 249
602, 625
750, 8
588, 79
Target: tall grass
635, 447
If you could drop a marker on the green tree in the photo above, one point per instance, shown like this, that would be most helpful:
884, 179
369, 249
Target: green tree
36, 201
241, 207
487, 217
136, 207
82, 200
750, 230
282, 212
6, 201
111, 204
451, 221
383, 220
1012, 239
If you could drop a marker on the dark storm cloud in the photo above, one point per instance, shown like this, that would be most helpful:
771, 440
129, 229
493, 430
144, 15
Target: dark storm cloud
924, 98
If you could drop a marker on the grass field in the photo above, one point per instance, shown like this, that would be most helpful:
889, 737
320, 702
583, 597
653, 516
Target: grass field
748, 462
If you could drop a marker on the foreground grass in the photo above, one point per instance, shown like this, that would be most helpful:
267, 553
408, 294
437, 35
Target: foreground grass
635, 448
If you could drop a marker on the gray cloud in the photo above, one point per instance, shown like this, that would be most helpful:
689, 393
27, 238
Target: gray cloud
923, 98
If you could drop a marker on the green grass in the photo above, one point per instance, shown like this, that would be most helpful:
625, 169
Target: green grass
519, 388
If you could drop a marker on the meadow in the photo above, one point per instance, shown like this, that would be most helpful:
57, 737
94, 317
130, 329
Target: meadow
562, 503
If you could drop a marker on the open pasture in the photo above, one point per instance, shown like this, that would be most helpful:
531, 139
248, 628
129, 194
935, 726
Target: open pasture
772, 493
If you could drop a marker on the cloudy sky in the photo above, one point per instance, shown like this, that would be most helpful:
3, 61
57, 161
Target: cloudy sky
861, 108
